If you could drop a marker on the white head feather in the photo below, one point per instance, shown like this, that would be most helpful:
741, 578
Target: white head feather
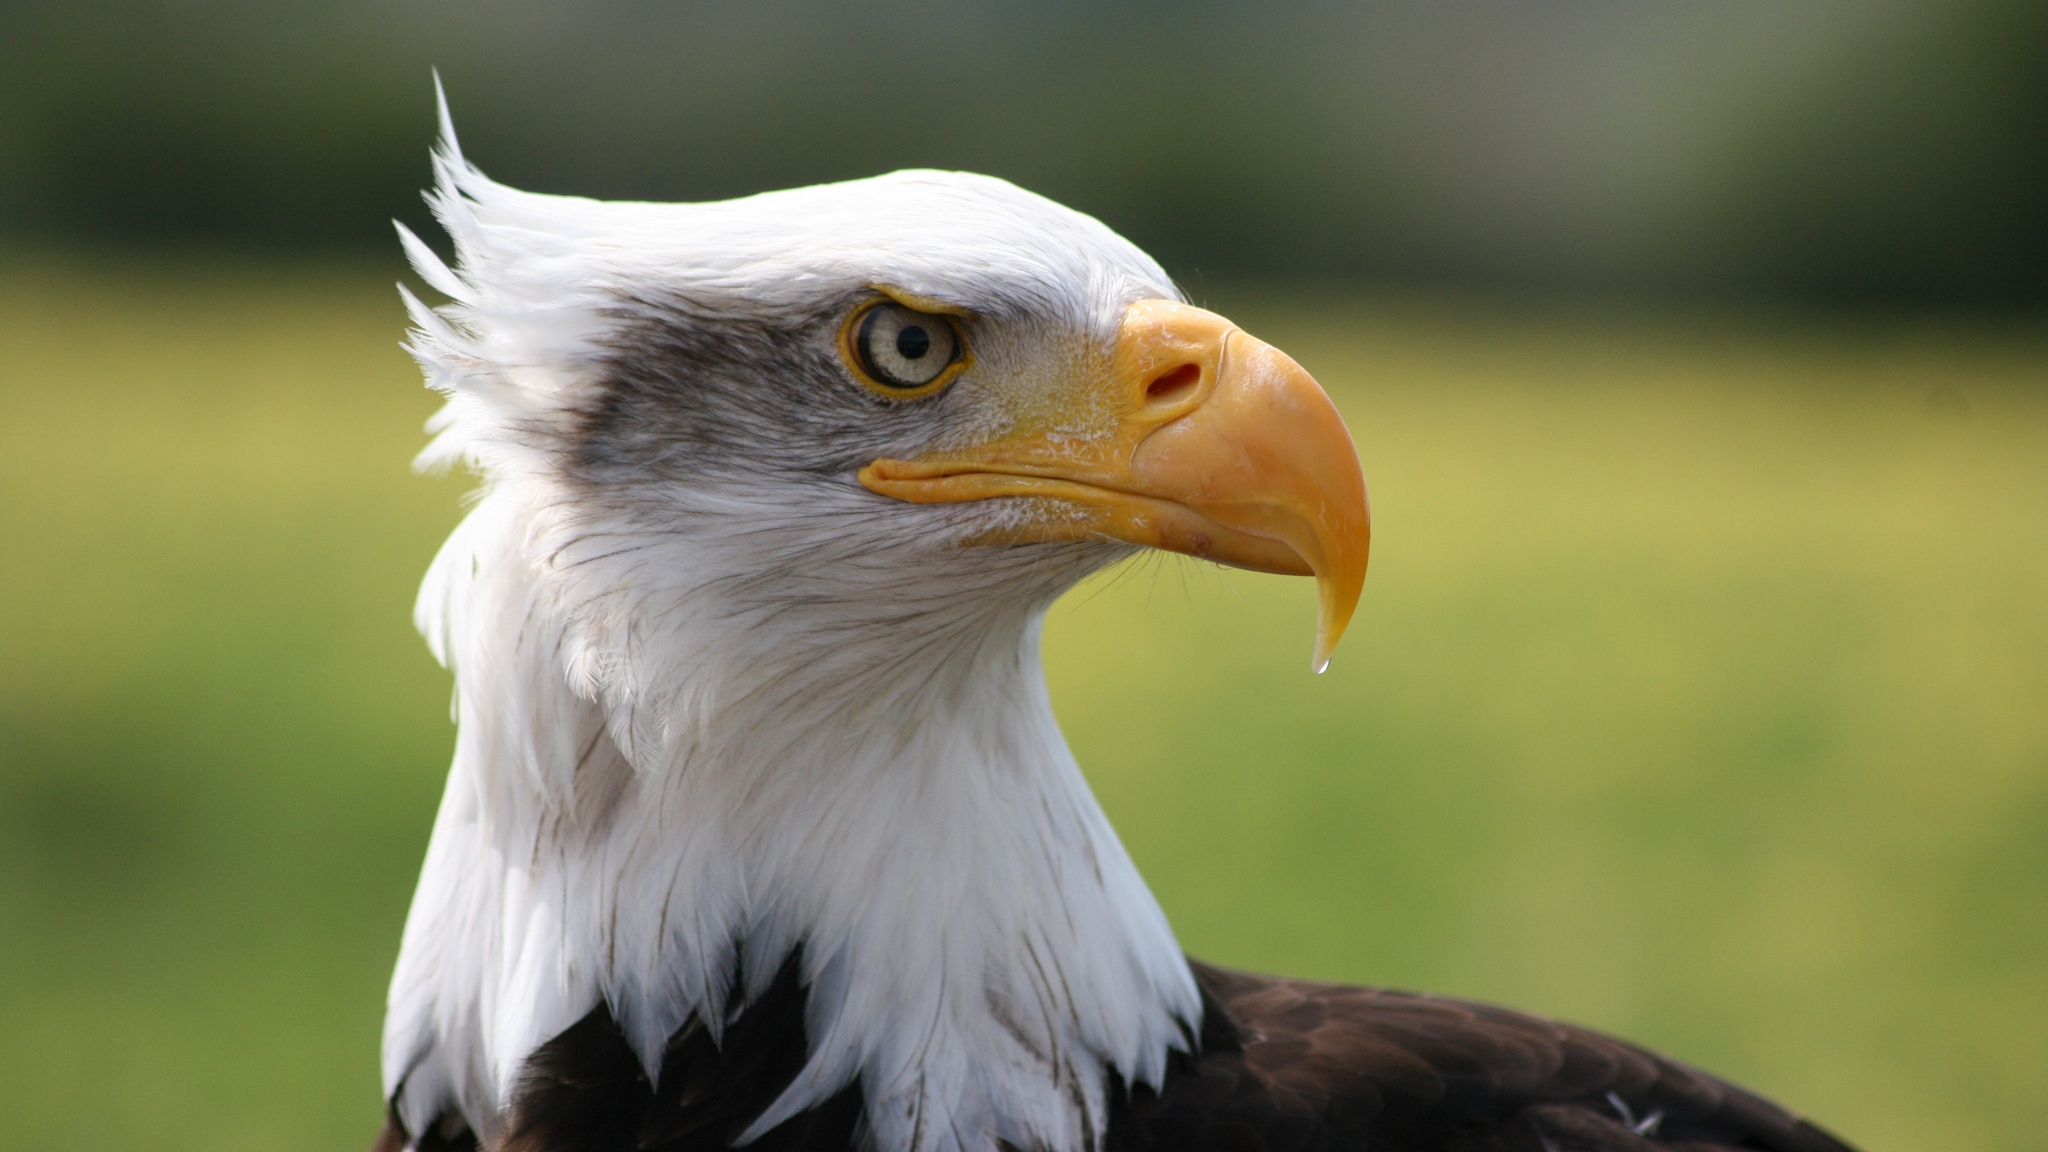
717, 707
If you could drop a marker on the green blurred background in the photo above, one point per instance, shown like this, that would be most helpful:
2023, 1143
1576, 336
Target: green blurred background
1696, 354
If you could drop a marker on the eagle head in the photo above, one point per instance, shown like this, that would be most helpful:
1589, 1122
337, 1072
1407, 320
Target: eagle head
920, 388
744, 622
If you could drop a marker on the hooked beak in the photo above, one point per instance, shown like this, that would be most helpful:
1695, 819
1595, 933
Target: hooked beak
1216, 445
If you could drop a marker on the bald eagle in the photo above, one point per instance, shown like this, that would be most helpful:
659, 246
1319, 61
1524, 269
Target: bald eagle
760, 831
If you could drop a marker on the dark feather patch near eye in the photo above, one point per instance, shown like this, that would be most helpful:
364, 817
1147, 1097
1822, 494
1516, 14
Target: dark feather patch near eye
687, 397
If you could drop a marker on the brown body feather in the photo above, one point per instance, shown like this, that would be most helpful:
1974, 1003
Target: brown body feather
1283, 1066
1296, 1066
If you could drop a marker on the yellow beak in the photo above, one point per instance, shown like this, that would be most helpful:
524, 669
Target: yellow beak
1203, 440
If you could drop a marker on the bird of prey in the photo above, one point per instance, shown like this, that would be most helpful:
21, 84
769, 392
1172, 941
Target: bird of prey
760, 832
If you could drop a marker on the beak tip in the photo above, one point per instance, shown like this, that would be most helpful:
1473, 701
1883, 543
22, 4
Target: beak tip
1338, 599
1326, 645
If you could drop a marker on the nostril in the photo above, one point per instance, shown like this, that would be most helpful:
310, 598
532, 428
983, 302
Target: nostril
1174, 384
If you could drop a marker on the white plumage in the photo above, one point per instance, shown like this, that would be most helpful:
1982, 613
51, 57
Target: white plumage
701, 724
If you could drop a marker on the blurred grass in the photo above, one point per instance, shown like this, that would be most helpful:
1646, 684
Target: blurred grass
1697, 694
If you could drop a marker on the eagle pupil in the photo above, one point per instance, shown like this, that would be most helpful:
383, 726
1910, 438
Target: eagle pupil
913, 342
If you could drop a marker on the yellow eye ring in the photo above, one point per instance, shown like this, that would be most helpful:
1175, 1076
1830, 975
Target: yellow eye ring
903, 346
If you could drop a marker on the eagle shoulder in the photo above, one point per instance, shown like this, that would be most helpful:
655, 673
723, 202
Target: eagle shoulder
1299, 1066
1282, 1066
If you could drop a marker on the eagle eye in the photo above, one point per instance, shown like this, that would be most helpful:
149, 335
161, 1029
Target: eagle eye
903, 352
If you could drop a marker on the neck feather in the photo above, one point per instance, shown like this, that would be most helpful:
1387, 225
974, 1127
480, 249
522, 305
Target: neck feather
661, 791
